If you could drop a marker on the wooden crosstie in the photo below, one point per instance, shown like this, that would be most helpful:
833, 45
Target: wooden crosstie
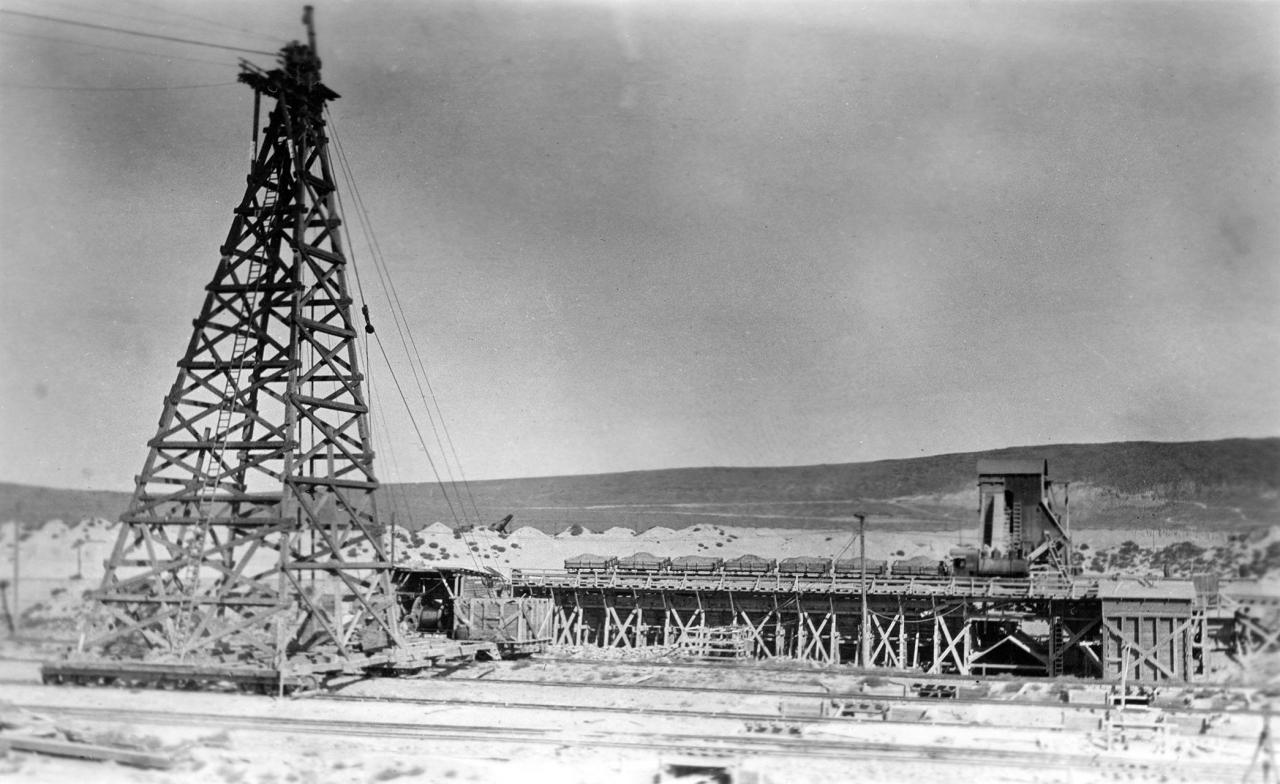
253, 528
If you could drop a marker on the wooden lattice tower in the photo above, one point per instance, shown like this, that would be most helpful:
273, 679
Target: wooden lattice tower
253, 530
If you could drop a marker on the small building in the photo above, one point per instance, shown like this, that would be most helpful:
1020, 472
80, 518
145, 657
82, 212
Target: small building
1151, 630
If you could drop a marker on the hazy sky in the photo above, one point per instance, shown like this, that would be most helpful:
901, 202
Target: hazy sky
651, 234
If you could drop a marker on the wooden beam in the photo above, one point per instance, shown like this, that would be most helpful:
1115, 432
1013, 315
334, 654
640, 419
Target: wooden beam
88, 751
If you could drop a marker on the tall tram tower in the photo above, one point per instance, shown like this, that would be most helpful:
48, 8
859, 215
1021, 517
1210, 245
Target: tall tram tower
252, 522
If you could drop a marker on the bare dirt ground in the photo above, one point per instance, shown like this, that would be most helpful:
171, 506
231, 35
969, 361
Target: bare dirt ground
519, 721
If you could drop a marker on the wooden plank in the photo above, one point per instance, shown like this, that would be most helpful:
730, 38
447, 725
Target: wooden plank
142, 598
226, 522
323, 326
267, 444
235, 364
65, 748
336, 405
329, 481
241, 288
194, 498
337, 565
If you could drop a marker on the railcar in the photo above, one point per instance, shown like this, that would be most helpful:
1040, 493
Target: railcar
919, 566
696, 564
805, 566
852, 567
752, 565
642, 563
589, 563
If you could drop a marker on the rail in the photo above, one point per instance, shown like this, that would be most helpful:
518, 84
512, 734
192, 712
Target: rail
1035, 587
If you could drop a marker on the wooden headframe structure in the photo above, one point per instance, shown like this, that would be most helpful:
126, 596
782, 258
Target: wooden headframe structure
257, 494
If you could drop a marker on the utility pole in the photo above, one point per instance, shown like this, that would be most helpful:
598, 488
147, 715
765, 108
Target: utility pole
863, 637
1066, 525
17, 556
1265, 752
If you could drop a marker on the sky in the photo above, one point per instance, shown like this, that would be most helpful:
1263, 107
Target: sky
635, 235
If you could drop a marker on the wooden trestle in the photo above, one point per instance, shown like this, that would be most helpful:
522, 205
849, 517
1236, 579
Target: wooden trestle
968, 626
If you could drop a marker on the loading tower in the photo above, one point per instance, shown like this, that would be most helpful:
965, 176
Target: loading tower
253, 533
1020, 521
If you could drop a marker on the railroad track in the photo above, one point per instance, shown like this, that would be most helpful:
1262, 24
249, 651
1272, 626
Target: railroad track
559, 708
888, 702
799, 747
904, 700
782, 666
786, 667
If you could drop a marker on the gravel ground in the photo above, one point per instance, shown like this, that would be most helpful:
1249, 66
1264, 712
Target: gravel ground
219, 745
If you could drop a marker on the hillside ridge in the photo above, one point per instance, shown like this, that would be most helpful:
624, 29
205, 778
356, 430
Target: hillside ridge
1223, 482
1127, 466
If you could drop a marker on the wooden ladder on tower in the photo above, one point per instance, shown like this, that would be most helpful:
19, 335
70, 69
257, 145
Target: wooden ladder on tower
213, 469
1056, 639
1015, 528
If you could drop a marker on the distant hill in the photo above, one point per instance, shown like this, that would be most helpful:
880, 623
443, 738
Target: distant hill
35, 505
1233, 484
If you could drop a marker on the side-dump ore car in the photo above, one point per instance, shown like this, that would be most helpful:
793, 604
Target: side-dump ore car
749, 565
589, 563
695, 564
642, 563
919, 566
805, 566
852, 567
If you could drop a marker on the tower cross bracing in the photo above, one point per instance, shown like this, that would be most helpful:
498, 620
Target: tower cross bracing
253, 530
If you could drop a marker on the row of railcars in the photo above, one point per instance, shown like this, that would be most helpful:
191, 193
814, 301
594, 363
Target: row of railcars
751, 566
